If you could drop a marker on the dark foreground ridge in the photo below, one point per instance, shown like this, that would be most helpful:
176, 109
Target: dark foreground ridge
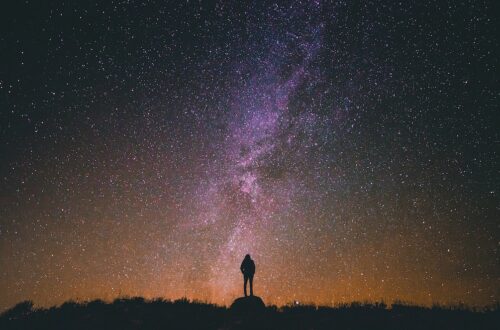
244, 313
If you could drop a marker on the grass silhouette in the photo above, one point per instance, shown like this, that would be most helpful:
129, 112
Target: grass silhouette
138, 313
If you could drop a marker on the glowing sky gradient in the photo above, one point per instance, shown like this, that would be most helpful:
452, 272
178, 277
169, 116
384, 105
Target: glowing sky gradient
351, 149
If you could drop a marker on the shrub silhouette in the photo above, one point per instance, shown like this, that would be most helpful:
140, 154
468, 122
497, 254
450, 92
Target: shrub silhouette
138, 313
19, 311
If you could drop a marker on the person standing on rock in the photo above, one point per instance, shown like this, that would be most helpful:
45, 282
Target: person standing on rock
248, 269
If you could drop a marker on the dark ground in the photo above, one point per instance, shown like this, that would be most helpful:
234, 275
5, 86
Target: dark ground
137, 313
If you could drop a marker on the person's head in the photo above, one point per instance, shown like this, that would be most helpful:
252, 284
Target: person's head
247, 257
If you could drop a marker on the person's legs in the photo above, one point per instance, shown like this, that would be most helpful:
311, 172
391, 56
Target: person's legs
251, 285
245, 280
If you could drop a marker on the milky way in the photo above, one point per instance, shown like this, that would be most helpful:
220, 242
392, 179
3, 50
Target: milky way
351, 149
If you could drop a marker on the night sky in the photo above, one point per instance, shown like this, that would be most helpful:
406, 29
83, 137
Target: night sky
351, 147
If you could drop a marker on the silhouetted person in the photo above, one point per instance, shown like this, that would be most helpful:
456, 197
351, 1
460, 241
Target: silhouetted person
248, 269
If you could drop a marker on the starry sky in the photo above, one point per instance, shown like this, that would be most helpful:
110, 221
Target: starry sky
351, 147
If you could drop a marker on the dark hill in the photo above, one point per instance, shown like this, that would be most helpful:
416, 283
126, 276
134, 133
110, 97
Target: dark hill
137, 313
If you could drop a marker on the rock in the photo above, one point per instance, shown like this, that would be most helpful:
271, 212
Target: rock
248, 305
